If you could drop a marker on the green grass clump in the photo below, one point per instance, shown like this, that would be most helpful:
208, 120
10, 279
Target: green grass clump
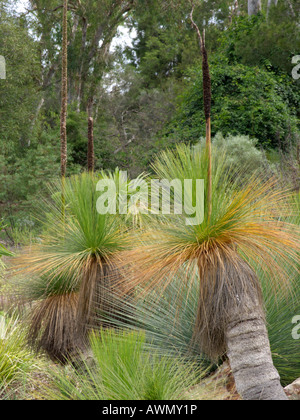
16, 359
123, 369
280, 311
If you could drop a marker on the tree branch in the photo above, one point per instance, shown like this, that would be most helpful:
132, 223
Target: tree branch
196, 26
125, 145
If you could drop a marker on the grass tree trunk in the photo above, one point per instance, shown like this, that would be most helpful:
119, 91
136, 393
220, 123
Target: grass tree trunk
231, 320
53, 327
248, 349
96, 295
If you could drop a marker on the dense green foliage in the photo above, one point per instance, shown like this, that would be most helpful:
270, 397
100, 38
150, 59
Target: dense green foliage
144, 95
246, 100
25, 161
268, 42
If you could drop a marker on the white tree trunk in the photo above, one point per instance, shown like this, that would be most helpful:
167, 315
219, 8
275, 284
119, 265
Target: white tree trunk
250, 357
254, 6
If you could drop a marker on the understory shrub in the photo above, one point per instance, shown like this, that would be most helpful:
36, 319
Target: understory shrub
123, 369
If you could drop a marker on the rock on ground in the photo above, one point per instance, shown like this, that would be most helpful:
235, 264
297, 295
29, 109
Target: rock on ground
293, 390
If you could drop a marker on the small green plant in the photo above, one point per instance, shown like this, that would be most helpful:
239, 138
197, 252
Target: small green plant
280, 311
3, 251
16, 359
124, 370
242, 150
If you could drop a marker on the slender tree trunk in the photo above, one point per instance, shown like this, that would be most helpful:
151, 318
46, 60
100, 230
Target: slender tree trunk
207, 108
64, 93
298, 151
64, 106
207, 111
91, 155
82, 53
249, 352
254, 7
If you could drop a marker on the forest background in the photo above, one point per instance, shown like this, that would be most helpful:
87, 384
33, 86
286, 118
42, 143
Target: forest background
144, 95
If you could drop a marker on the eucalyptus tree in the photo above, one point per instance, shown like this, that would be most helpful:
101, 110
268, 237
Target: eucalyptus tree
254, 6
92, 27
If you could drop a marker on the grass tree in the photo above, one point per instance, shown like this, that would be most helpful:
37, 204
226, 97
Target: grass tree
246, 229
73, 269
